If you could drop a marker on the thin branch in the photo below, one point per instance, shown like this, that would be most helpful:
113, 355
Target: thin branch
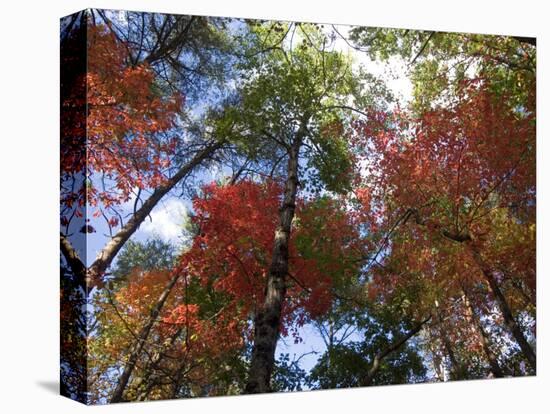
367, 380
349, 108
422, 48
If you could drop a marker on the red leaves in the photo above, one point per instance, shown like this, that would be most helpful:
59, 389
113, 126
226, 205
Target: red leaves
184, 327
237, 227
457, 158
461, 167
126, 138
233, 249
113, 222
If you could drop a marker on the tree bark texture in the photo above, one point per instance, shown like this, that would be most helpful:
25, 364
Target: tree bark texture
268, 319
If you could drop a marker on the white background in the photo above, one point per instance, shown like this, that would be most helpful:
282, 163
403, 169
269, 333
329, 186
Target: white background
29, 94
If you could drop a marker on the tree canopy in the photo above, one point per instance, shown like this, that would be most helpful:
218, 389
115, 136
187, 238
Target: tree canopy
334, 234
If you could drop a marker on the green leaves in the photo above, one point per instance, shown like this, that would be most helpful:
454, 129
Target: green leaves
149, 255
347, 360
332, 164
439, 62
293, 82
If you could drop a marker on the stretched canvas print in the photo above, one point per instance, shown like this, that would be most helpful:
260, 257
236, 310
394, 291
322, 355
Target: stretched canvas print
253, 206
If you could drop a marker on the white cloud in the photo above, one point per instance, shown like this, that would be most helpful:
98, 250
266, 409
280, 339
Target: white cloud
166, 220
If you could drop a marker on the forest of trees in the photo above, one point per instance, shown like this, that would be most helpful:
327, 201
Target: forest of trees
392, 236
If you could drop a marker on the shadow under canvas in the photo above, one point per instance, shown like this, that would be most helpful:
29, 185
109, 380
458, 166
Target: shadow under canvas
50, 386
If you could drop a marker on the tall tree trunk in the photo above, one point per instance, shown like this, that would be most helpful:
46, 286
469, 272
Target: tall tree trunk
485, 338
268, 318
137, 347
505, 309
376, 363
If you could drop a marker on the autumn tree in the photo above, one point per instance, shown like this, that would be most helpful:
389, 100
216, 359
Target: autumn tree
169, 355
237, 230
443, 67
449, 180
130, 142
293, 107
121, 133
221, 276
